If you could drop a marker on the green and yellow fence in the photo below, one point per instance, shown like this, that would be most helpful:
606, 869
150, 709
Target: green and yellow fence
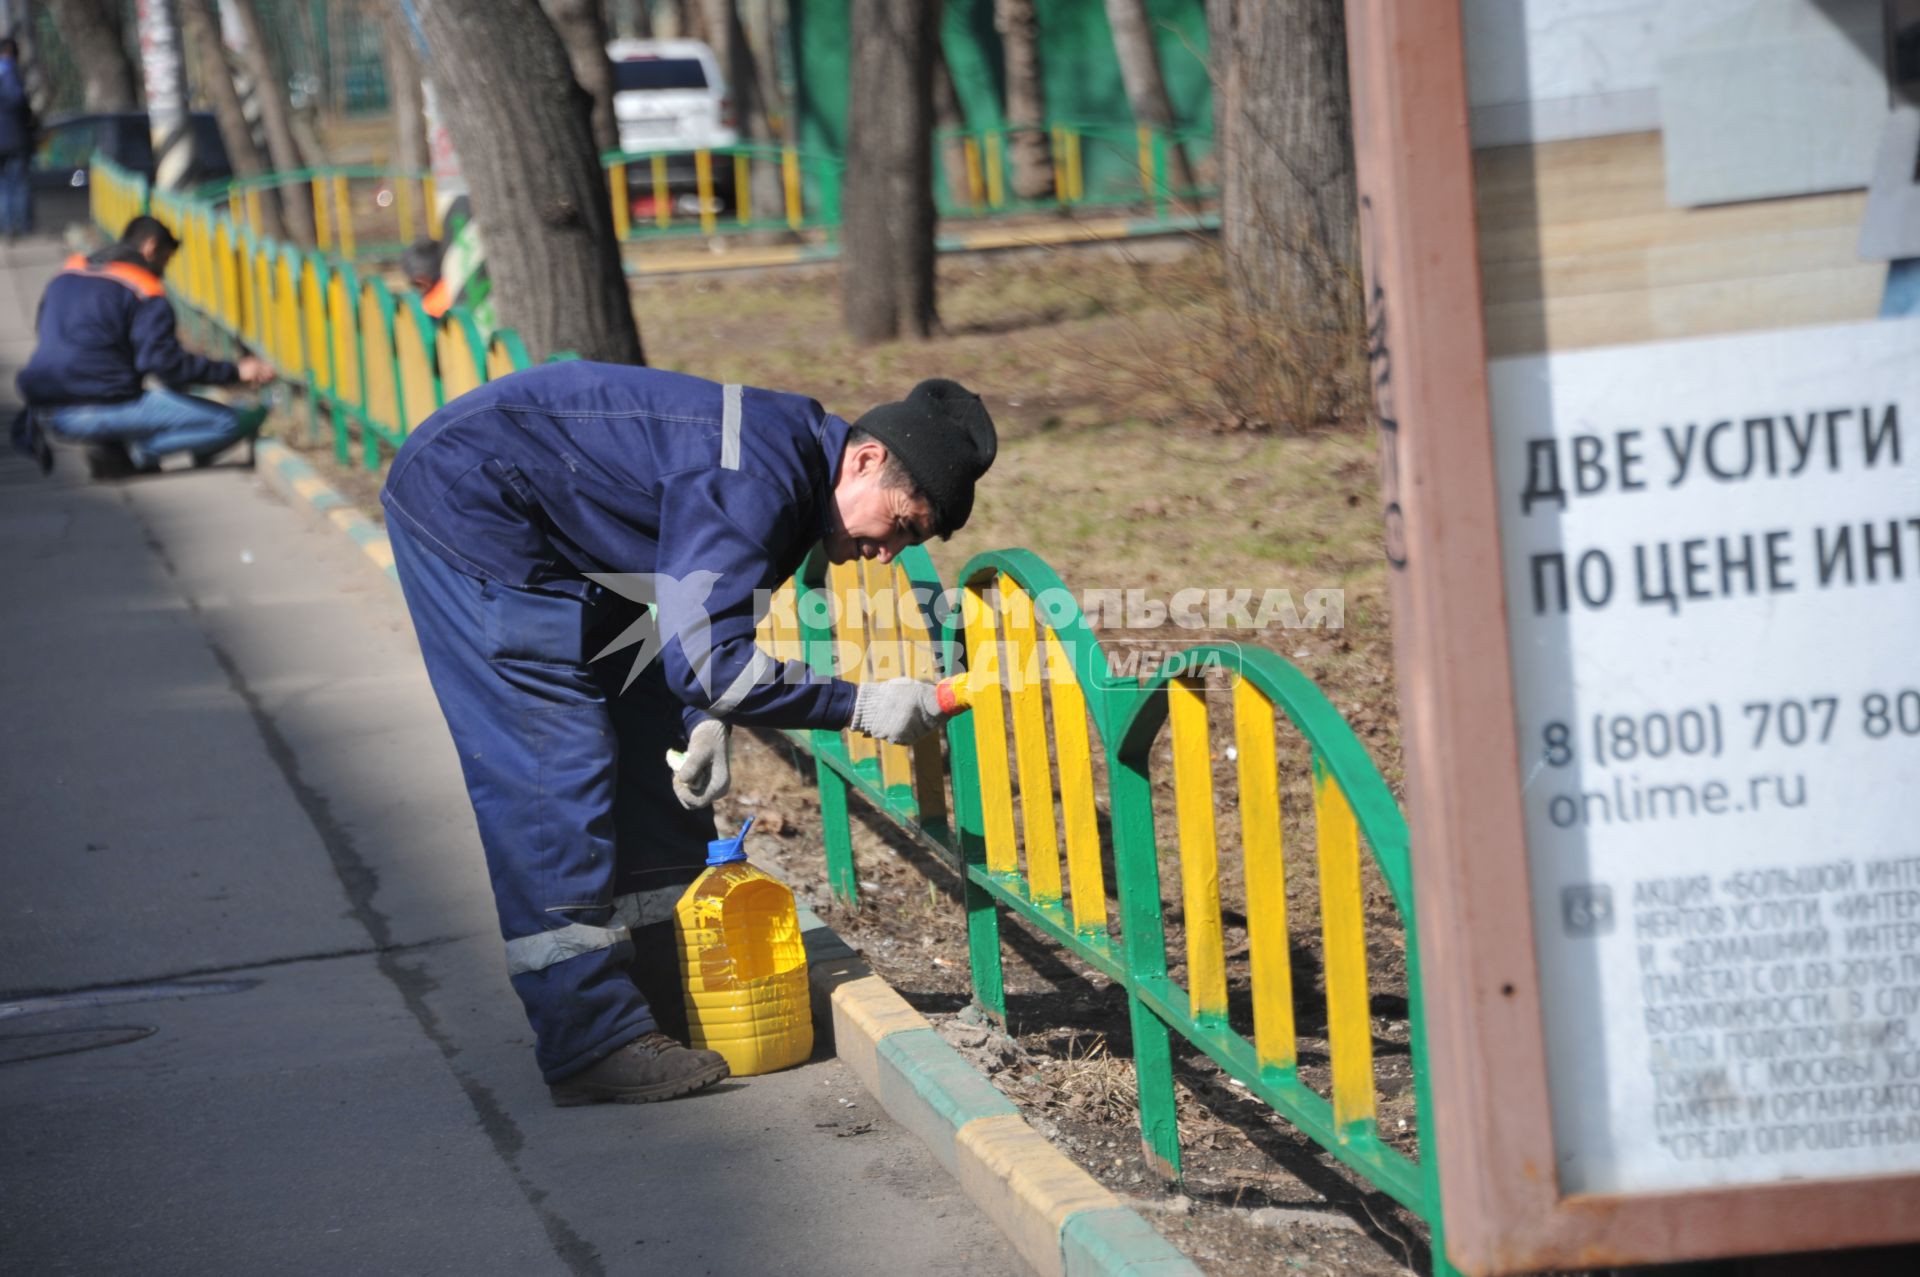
985, 158
1044, 799
366, 213
358, 210
650, 192
1051, 817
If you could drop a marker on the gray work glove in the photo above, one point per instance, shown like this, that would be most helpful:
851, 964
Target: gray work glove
704, 775
899, 711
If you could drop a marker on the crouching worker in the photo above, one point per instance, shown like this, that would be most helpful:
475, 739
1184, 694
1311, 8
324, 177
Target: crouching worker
106, 325
533, 521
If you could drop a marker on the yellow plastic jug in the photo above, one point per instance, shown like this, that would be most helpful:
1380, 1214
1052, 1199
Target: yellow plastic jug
742, 965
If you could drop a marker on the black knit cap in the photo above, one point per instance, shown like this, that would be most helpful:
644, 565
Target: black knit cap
943, 436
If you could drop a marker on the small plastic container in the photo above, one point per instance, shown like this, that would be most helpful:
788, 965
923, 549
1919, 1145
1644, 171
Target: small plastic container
742, 965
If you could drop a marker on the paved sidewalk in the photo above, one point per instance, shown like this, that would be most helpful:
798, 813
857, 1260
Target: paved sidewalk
221, 766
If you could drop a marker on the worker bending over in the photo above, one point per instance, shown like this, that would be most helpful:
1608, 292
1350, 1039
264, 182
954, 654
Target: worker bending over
532, 522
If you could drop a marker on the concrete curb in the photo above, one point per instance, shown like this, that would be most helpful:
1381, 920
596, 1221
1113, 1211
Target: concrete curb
282, 468
1057, 1216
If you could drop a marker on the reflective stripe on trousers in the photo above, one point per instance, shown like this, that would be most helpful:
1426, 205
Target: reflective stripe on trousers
570, 788
637, 909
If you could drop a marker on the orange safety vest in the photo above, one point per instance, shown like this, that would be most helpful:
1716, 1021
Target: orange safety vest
143, 282
437, 300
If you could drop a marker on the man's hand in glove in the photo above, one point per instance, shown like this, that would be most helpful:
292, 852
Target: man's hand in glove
899, 711
705, 774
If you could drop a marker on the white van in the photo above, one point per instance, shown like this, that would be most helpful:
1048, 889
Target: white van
669, 95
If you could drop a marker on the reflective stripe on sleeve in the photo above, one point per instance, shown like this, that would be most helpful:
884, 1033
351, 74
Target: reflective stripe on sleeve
730, 428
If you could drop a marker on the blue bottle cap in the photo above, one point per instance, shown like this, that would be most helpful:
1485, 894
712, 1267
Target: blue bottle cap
728, 851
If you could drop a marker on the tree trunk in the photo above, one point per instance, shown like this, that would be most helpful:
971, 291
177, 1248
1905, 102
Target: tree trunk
631, 19
887, 219
200, 33
766, 190
32, 66
680, 20
410, 153
583, 30
276, 116
163, 76
948, 117
1028, 142
764, 33
521, 125
306, 139
1289, 219
94, 37
1146, 86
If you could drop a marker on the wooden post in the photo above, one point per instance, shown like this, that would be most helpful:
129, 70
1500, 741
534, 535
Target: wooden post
1492, 1146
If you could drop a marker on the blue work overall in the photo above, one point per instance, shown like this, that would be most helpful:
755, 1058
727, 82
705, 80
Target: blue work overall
530, 521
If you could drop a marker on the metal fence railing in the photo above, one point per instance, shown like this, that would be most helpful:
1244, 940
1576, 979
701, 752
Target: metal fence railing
359, 211
1057, 749
1046, 792
1136, 160
365, 213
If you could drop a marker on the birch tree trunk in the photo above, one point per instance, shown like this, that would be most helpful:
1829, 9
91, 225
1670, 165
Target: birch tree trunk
1146, 84
1028, 143
738, 64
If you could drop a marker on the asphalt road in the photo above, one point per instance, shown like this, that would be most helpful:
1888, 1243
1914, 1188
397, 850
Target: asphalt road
253, 1005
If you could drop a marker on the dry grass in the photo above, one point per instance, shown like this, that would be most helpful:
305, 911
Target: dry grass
1232, 369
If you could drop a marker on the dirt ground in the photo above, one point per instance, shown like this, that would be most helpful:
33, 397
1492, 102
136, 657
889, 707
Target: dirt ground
1122, 469
1257, 1197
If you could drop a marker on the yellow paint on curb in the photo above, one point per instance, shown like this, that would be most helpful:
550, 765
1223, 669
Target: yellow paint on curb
310, 486
380, 552
864, 1011
733, 259
1026, 1186
1064, 233
344, 517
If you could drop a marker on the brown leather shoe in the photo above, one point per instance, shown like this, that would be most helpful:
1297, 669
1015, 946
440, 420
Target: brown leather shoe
651, 1067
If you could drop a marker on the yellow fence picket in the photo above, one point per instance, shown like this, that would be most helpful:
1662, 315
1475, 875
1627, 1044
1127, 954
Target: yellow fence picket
990, 728
1268, 958
1199, 852
382, 402
1028, 693
463, 360
419, 394
1073, 751
313, 321
1344, 941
